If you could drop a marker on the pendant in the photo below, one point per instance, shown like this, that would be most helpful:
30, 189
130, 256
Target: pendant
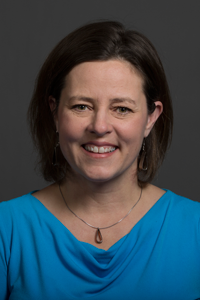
99, 238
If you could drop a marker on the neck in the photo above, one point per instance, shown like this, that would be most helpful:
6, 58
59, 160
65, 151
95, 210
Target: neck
90, 198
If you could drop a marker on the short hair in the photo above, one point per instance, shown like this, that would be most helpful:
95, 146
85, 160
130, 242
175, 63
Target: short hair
100, 41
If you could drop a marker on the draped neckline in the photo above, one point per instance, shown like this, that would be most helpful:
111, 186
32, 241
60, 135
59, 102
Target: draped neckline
47, 213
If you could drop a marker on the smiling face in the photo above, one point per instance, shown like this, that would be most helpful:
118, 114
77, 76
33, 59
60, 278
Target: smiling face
102, 119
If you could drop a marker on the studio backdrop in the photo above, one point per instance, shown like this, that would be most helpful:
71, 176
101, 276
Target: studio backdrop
30, 29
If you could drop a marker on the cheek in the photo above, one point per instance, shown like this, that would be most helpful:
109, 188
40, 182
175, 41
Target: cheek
132, 132
70, 135
70, 130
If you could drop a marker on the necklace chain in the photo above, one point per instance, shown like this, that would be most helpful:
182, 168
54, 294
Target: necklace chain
99, 238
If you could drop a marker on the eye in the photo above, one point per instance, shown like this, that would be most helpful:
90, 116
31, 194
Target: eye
123, 110
80, 107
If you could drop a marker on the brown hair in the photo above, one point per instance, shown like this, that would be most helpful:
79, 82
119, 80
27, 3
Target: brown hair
99, 41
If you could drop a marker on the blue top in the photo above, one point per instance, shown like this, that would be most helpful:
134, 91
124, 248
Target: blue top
158, 259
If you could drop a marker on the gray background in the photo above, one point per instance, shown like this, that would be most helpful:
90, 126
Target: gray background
28, 32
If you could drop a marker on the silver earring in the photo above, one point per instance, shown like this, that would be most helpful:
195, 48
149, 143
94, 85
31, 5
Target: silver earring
143, 159
55, 153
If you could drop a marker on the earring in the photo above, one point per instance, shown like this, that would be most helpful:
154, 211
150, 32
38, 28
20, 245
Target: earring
143, 159
55, 153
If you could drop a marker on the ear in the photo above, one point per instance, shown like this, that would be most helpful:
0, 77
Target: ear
152, 118
52, 105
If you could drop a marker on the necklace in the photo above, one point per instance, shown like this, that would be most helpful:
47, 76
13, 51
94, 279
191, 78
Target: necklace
98, 235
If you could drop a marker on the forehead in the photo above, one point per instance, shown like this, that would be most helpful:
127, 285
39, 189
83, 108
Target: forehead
112, 71
104, 80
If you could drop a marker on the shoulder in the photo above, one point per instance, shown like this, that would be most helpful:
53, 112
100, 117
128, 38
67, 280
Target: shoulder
182, 203
176, 208
16, 204
172, 198
181, 223
12, 211
182, 212
12, 215
166, 198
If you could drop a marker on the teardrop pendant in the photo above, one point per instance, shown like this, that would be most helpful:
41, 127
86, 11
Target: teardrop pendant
99, 238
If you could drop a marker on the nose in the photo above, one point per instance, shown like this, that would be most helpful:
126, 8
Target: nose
100, 124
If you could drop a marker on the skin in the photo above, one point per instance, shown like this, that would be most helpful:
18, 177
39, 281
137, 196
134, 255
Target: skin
90, 112
102, 104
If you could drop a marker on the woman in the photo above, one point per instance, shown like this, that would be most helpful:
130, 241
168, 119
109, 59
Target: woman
101, 118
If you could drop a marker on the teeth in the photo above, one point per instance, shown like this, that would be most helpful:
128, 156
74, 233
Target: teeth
101, 150
96, 149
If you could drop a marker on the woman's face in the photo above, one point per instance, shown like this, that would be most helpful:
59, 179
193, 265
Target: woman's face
102, 119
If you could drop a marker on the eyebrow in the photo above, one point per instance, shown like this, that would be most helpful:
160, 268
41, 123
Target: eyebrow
81, 98
123, 99
114, 100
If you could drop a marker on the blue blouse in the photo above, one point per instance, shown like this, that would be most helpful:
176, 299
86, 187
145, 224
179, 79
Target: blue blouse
159, 259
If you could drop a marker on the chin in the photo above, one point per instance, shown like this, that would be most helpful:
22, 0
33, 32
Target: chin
100, 177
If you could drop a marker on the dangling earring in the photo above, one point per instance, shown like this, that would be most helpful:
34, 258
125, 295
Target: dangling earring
143, 159
55, 153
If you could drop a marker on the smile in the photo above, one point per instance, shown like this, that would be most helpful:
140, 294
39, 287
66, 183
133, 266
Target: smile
95, 149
